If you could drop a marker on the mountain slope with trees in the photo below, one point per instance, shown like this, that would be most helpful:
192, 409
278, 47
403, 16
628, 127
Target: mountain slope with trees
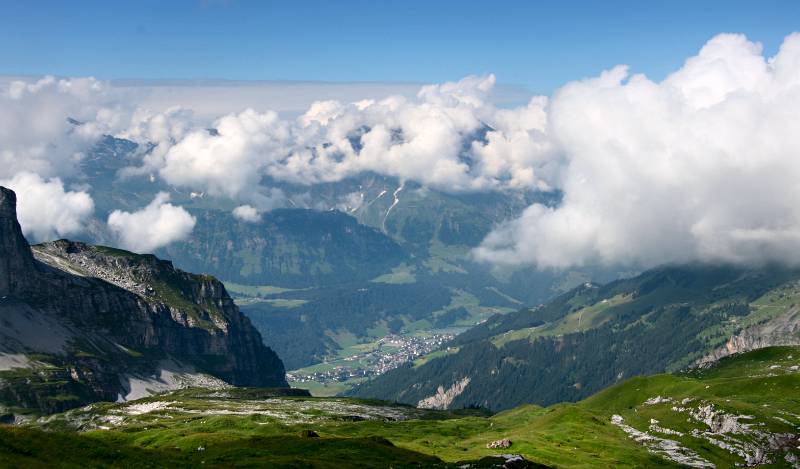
595, 336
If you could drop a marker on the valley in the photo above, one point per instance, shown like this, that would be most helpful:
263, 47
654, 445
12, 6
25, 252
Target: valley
342, 263
361, 361
355, 357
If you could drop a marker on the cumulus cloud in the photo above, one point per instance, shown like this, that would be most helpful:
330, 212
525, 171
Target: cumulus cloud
39, 124
700, 166
247, 213
230, 160
426, 139
45, 209
156, 133
155, 226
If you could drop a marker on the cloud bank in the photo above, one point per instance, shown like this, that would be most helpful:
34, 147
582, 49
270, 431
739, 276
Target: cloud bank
426, 139
155, 226
45, 209
35, 133
701, 166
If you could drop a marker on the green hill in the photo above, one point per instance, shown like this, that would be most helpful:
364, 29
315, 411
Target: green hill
743, 409
594, 336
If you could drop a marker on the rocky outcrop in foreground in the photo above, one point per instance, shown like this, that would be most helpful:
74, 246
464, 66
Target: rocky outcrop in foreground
85, 323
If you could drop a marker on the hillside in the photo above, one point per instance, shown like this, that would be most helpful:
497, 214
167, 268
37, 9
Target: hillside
292, 248
595, 336
742, 410
87, 323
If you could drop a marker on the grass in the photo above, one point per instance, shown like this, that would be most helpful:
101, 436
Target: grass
26, 448
582, 320
254, 290
285, 303
401, 274
271, 430
109, 251
325, 389
434, 355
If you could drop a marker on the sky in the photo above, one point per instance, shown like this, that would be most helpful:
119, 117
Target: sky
536, 44
668, 128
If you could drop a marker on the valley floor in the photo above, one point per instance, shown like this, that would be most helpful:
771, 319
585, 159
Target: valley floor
744, 410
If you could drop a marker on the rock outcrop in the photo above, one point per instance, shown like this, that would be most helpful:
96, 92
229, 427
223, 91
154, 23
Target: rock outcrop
17, 266
97, 318
780, 330
443, 398
499, 444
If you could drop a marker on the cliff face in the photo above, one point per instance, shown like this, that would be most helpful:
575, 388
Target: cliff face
105, 323
781, 330
16, 262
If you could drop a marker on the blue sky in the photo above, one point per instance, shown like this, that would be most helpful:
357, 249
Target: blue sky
537, 44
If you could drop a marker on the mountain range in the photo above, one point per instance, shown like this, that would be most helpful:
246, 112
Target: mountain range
84, 323
369, 232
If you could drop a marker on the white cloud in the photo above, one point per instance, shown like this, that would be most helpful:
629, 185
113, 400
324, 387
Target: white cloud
231, 162
247, 213
701, 166
46, 210
425, 139
155, 226
35, 134
156, 133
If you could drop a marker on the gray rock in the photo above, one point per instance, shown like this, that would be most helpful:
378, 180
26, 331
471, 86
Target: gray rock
114, 313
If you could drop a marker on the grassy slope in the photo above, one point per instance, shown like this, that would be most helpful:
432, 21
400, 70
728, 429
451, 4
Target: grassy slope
759, 383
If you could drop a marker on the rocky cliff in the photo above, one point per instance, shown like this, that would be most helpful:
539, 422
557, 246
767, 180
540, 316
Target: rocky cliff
781, 330
82, 323
16, 263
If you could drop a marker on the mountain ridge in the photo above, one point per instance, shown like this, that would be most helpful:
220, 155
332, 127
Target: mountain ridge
595, 335
85, 323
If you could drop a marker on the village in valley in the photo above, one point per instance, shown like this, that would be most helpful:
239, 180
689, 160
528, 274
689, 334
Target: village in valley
385, 354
